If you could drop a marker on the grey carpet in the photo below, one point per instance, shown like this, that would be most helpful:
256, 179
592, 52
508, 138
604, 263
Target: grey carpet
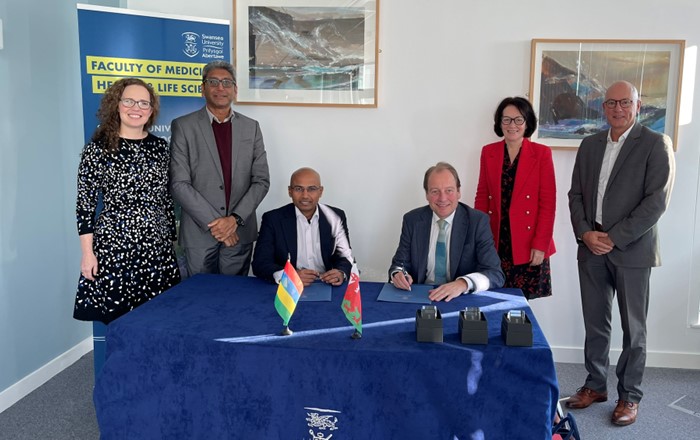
62, 408
655, 419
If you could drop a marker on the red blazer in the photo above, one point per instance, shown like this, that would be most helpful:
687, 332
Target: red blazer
533, 201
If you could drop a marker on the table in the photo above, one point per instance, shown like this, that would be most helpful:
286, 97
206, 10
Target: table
204, 361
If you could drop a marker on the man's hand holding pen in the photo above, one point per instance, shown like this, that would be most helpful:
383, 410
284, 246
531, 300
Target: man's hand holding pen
402, 280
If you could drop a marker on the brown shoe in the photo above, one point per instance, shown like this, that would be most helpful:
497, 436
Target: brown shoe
584, 397
625, 413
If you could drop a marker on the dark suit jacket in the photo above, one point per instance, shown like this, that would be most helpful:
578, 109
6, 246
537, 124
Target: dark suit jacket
197, 183
471, 245
637, 194
278, 239
532, 203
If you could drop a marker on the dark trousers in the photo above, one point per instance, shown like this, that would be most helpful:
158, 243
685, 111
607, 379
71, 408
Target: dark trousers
600, 281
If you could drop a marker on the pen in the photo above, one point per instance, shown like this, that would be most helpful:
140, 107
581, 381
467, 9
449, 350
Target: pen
405, 276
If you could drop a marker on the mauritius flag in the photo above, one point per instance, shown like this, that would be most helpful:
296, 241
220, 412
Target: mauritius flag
288, 292
352, 302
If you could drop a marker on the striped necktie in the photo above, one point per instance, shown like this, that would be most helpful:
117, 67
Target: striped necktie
441, 254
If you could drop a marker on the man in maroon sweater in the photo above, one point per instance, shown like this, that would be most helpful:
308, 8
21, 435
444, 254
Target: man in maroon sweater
219, 176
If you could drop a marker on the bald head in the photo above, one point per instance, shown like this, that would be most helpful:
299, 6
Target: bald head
305, 172
621, 107
625, 87
305, 190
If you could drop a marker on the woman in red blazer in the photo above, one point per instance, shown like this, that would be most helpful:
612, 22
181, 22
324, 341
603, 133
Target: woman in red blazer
518, 191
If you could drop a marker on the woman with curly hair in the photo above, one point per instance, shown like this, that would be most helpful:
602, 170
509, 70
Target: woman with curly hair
127, 250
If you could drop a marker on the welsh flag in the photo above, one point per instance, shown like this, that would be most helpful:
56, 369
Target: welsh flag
352, 301
288, 292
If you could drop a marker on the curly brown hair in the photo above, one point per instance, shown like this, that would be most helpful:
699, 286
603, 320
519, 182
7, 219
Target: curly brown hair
108, 113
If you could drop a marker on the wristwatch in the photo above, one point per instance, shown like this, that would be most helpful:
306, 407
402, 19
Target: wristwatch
395, 271
239, 220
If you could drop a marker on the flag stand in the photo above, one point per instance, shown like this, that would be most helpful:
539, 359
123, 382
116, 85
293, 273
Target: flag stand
286, 331
356, 335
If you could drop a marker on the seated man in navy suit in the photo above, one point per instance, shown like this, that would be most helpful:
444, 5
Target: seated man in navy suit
313, 236
446, 243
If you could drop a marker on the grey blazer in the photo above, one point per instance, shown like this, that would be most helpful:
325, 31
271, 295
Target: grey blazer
638, 192
197, 183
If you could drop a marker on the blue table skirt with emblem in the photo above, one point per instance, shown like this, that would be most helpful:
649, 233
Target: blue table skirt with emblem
204, 361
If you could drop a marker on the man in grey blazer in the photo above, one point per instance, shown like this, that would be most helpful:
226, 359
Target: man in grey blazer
450, 231
620, 187
219, 176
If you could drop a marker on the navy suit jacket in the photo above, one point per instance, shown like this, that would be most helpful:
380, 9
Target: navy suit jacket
471, 245
277, 240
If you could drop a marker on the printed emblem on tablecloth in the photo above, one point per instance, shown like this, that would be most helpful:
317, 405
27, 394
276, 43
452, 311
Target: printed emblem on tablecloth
321, 422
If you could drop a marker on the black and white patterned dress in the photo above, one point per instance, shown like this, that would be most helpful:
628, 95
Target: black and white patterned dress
134, 230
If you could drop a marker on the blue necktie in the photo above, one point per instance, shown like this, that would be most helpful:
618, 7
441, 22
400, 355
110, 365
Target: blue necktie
441, 254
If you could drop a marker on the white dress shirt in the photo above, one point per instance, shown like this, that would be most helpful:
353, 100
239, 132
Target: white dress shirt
434, 231
308, 244
612, 150
213, 118
475, 281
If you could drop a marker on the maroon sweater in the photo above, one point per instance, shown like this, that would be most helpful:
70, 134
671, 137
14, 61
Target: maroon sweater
222, 134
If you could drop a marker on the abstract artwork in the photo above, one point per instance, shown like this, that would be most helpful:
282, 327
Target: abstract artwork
568, 79
306, 52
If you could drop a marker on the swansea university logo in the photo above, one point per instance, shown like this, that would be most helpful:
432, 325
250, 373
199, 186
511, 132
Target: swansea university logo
322, 423
191, 44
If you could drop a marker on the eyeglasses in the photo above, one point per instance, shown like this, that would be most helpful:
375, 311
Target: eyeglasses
519, 120
309, 189
214, 82
128, 103
624, 103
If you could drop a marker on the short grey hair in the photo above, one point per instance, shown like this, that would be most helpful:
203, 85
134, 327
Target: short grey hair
218, 65
635, 93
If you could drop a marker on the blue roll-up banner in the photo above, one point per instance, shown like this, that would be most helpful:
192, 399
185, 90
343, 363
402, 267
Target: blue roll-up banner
166, 51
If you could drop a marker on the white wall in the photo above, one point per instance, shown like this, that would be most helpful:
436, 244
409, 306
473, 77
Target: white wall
40, 142
443, 68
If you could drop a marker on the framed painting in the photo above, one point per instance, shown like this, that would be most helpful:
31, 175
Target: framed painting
568, 80
306, 52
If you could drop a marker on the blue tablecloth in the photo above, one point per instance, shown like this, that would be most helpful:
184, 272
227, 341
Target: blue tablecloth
203, 361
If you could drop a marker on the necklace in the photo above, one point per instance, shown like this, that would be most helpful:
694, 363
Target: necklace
133, 146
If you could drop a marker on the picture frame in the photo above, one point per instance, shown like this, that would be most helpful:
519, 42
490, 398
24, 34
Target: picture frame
568, 79
306, 52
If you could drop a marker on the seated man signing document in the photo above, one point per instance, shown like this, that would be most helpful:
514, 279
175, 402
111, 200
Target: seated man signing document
446, 243
312, 235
